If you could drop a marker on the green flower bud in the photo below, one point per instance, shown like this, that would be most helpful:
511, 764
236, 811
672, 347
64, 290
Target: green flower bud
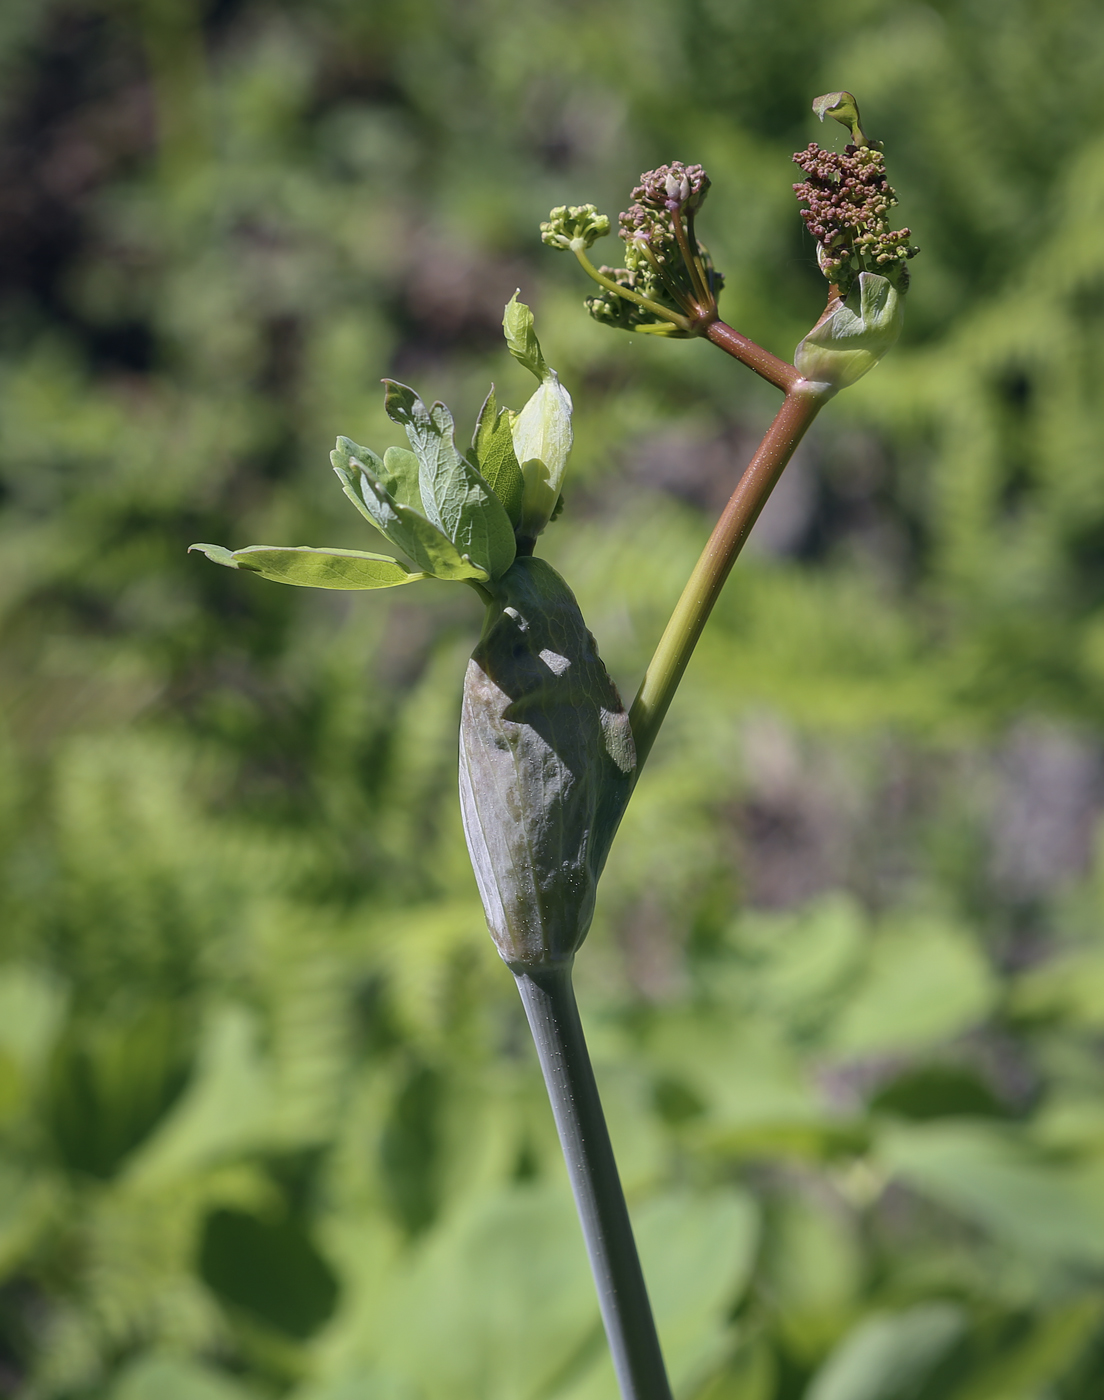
574, 226
546, 767
542, 433
849, 342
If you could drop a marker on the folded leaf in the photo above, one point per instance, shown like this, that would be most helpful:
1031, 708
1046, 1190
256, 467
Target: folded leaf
521, 338
431, 550
850, 342
308, 567
397, 473
455, 498
401, 470
493, 450
405, 527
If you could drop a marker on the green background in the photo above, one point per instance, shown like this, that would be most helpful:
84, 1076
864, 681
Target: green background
269, 1120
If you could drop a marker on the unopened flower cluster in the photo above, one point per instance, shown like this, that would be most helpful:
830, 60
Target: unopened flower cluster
849, 200
658, 230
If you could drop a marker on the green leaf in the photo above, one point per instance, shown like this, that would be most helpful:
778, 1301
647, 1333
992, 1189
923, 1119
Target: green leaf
354, 473
406, 527
397, 471
401, 470
217, 553
521, 338
889, 1356
426, 545
308, 567
698, 1253
511, 1336
926, 981
493, 449
270, 1269
456, 499
1048, 1209
1044, 1358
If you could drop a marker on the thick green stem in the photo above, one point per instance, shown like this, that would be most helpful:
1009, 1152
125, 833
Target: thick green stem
802, 403
549, 1002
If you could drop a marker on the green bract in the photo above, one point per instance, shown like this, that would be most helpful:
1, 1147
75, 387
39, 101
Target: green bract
851, 341
455, 518
547, 764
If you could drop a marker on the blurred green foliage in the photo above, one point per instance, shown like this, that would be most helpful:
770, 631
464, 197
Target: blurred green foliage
269, 1124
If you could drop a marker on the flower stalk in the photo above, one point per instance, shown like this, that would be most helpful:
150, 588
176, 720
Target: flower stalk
665, 670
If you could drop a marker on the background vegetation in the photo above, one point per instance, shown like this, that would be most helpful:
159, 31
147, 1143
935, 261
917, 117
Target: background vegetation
269, 1124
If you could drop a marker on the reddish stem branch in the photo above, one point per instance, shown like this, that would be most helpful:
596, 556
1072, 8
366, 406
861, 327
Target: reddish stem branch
704, 585
778, 372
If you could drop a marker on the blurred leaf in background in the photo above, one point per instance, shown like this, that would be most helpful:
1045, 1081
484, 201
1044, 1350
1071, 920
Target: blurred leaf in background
268, 1125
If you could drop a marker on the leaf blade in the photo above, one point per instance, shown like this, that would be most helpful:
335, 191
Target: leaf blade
521, 338
406, 527
306, 566
455, 498
495, 459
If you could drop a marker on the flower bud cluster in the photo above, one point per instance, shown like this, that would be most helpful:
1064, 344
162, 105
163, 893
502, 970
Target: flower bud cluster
849, 200
665, 265
673, 187
623, 314
574, 226
644, 228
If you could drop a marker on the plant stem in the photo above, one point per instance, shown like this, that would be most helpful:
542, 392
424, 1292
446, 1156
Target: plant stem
689, 258
801, 405
549, 1001
629, 295
778, 372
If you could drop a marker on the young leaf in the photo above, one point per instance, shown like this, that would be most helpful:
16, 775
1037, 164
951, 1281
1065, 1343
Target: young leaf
521, 338
401, 470
308, 567
455, 497
406, 527
493, 450
397, 473
426, 545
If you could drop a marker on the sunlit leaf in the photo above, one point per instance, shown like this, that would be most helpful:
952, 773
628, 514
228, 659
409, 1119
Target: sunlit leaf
397, 472
493, 449
697, 1253
454, 496
521, 338
307, 567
